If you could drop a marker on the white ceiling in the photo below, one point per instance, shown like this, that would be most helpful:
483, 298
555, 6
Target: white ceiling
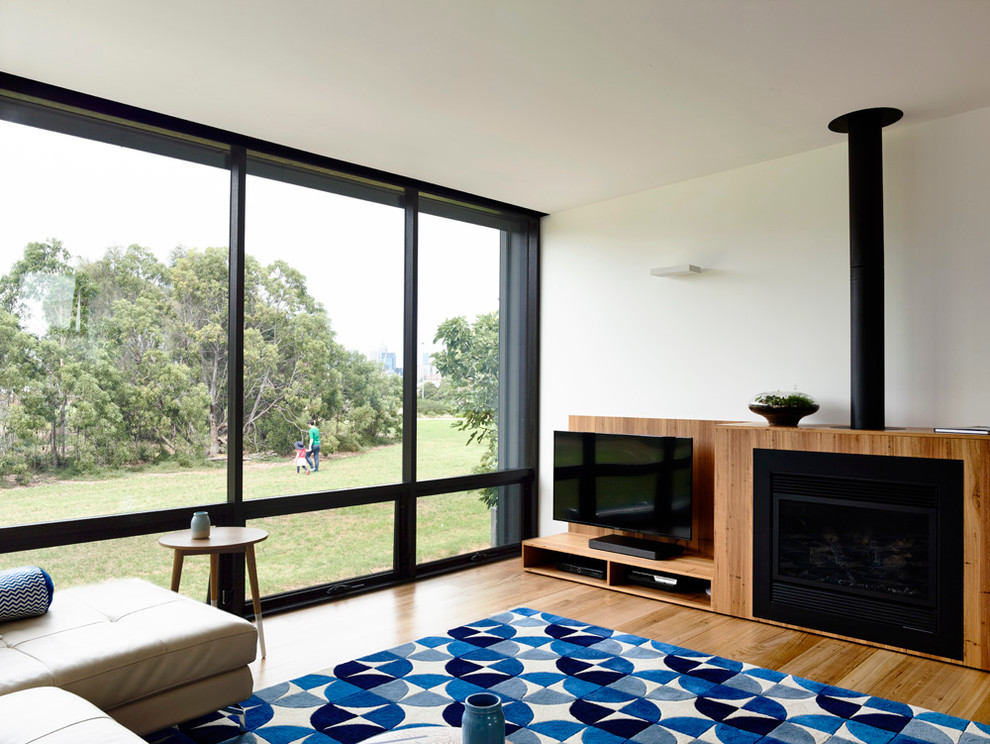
547, 104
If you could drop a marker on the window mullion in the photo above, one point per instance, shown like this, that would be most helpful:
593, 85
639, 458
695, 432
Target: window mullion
405, 513
231, 578
235, 332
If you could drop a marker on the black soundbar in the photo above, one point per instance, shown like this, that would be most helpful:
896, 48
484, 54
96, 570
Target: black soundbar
636, 546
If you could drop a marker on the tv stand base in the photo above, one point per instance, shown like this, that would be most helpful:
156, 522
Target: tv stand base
543, 555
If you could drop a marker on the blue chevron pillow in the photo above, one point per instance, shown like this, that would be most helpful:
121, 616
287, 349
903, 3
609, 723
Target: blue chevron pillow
24, 592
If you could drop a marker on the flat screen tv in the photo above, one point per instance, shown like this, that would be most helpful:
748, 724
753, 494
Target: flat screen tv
623, 482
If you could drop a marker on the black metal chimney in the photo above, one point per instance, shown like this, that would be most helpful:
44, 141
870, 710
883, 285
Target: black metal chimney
866, 259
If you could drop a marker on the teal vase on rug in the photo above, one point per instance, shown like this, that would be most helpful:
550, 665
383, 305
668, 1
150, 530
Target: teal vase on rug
483, 721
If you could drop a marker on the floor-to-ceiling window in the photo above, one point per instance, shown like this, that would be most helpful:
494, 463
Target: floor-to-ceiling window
185, 313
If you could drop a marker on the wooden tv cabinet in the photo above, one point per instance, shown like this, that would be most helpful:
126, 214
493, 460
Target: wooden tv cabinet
541, 554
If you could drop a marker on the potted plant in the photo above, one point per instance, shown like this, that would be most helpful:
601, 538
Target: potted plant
783, 409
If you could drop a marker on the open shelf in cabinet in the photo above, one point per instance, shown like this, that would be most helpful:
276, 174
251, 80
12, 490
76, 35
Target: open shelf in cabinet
542, 554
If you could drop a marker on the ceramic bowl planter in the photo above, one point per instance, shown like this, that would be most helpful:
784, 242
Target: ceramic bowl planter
783, 409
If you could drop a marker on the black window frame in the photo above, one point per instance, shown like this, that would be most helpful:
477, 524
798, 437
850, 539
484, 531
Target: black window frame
58, 109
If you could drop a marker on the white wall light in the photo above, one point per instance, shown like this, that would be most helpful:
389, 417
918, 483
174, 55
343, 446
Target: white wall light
679, 270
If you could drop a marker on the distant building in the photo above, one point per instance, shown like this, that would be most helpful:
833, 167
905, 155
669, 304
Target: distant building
387, 360
427, 372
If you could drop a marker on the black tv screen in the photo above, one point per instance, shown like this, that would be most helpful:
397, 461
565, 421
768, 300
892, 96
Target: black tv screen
623, 482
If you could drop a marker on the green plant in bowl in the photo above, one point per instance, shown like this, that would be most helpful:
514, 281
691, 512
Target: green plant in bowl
782, 408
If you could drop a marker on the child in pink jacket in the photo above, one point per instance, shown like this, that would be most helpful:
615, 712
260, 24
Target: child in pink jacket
301, 461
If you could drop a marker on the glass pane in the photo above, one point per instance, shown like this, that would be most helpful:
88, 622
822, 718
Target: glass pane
450, 524
315, 548
113, 310
133, 557
322, 341
458, 371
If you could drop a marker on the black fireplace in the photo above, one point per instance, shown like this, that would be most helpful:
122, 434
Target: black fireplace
865, 546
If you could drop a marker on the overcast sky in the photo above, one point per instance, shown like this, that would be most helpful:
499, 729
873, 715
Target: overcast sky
92, 196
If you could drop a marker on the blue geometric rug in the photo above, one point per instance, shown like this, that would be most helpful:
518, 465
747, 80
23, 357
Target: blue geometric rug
561, 680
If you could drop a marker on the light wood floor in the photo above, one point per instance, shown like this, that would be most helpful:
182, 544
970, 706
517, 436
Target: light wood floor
315, 639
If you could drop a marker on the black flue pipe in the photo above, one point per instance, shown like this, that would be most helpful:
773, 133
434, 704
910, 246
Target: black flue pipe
866, 261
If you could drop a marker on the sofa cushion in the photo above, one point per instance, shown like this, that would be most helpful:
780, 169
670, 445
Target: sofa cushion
122, 641
24, 592
48, 715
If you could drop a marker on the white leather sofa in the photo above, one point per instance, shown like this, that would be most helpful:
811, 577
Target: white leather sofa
148, 657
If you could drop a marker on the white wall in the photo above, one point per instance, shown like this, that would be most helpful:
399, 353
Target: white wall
771, 309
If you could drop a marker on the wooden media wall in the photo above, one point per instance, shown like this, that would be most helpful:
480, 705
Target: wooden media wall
723, 506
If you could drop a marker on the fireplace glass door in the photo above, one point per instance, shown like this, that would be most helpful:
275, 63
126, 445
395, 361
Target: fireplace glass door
862, 550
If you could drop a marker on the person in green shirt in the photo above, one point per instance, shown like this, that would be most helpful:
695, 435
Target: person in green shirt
314, 445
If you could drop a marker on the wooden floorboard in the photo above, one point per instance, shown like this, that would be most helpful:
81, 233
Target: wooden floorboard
315, 639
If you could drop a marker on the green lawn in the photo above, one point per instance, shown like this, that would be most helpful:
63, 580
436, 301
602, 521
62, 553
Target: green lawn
302, 550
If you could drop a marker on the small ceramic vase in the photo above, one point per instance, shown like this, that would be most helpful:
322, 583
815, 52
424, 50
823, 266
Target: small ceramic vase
483, 721
200, 525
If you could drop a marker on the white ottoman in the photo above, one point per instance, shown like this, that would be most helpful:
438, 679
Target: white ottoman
48, 715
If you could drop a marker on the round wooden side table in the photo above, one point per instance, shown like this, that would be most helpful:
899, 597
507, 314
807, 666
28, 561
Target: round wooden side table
221, 540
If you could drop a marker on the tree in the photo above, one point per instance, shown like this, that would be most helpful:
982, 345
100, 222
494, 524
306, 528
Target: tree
33, 281
199, 336
469, 363
165, 403
289, 348
132, 314
17, 349
372, 397
44, 292
434, 400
